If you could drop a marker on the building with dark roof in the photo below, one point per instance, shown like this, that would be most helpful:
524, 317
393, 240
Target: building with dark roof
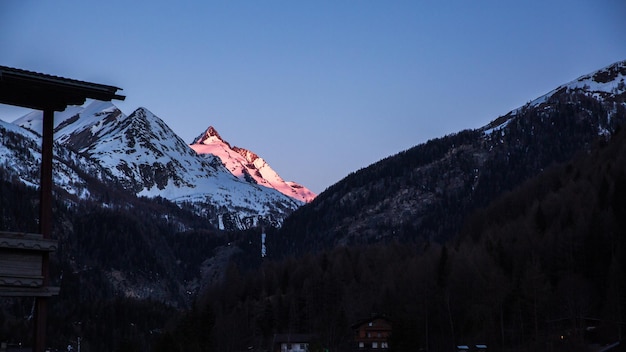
372, 334
25, 257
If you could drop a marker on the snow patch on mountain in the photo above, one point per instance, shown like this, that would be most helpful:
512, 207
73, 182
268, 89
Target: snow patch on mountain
606, 83
20, 157
602, 83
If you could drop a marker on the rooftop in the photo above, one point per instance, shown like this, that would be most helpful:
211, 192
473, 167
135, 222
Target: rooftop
47, 92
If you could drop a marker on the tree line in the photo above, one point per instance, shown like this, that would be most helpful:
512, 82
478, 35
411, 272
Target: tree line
540, 268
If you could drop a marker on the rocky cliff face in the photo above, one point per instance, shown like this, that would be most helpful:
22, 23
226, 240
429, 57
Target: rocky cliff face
247, 165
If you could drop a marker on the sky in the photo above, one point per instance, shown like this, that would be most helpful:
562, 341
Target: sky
319, 89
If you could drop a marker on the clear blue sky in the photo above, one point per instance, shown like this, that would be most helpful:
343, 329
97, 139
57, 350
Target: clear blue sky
317, 88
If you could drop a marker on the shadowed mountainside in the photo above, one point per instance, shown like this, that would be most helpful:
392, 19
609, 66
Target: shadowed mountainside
425, 193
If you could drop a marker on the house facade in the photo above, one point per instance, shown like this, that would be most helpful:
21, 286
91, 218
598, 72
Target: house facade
292, 342
372, 334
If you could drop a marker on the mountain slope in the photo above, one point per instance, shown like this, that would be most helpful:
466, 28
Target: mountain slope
424, 193
247, 166
74, 174
145, 157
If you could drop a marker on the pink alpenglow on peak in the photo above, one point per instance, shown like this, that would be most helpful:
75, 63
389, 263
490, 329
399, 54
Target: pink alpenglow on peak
248, 166
209, 136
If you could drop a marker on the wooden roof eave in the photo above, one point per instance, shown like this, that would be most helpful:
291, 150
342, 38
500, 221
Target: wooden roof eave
46, 92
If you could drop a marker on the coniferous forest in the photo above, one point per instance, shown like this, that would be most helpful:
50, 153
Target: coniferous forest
533, 270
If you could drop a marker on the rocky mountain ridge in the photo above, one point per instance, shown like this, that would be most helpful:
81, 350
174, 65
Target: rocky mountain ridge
141, 154
247, 165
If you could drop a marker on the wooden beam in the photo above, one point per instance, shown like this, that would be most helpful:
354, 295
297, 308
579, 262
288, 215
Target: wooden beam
45, 223
27, 241
29, 292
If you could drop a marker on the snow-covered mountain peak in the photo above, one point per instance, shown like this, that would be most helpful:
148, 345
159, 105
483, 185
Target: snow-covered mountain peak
607, 84
72, 118
140, 153
210, 136
612, 73
247, 165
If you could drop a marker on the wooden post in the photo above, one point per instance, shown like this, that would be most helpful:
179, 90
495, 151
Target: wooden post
45, 207
45, 223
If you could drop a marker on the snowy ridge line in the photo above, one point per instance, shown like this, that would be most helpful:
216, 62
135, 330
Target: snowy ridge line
140, 153
610, 80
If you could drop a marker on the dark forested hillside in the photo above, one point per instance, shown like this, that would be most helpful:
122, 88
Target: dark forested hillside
426, 192
542, 267
125, 266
